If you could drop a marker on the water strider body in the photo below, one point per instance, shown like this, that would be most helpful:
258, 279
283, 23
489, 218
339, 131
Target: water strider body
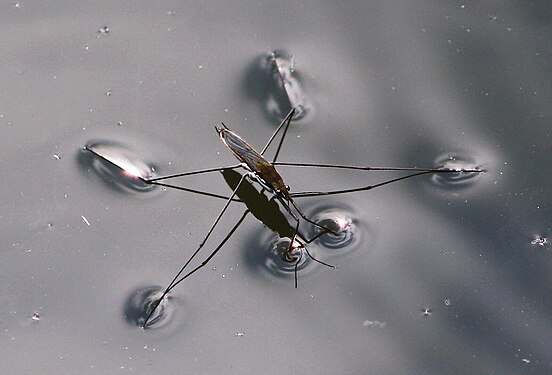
261, 170
264, 172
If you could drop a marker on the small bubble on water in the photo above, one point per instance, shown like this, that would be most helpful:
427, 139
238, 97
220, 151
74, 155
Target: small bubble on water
17, 5
108, 93
447, 302
119, 123
539, 241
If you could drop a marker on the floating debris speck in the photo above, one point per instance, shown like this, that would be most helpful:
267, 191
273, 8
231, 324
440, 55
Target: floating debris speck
373, 323
85, 220
104, 30
539, 241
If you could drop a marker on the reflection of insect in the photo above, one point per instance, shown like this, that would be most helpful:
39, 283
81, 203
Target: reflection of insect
263, 172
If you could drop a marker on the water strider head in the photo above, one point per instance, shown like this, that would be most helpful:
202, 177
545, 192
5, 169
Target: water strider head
260, 169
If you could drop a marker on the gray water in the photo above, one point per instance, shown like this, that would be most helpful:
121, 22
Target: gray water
441, 276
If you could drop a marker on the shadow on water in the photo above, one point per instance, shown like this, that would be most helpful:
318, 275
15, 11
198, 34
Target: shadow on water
267, 249
259, 205
502, 234
480, 317
353, 235
505, 231
272, 253
506, 220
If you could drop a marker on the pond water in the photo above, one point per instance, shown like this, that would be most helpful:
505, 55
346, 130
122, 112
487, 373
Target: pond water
435, 274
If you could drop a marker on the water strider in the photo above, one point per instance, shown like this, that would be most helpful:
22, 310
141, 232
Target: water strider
262, 171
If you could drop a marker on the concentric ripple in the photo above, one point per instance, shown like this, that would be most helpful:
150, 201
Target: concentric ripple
120, 166
341, 221
455, 181
311, 243
142, 301
282, 260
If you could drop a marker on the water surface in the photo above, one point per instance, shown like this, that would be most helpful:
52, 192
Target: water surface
442, 275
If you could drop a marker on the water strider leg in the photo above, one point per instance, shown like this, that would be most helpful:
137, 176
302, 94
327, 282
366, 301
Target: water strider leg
292, 241
313, 258
304, 194
367, 168
318, 260
172, 283
200, 192
199, 171
155, 180
286, 119
296, 233
289, 116
227, 237
220, 245
310, 221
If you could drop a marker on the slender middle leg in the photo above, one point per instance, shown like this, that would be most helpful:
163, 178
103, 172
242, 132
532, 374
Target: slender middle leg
363, 188
174, 281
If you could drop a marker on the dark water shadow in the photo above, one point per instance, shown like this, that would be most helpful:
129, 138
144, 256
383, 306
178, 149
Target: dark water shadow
276, 94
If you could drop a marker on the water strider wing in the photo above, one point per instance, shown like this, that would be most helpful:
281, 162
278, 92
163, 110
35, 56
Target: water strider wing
256, 163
